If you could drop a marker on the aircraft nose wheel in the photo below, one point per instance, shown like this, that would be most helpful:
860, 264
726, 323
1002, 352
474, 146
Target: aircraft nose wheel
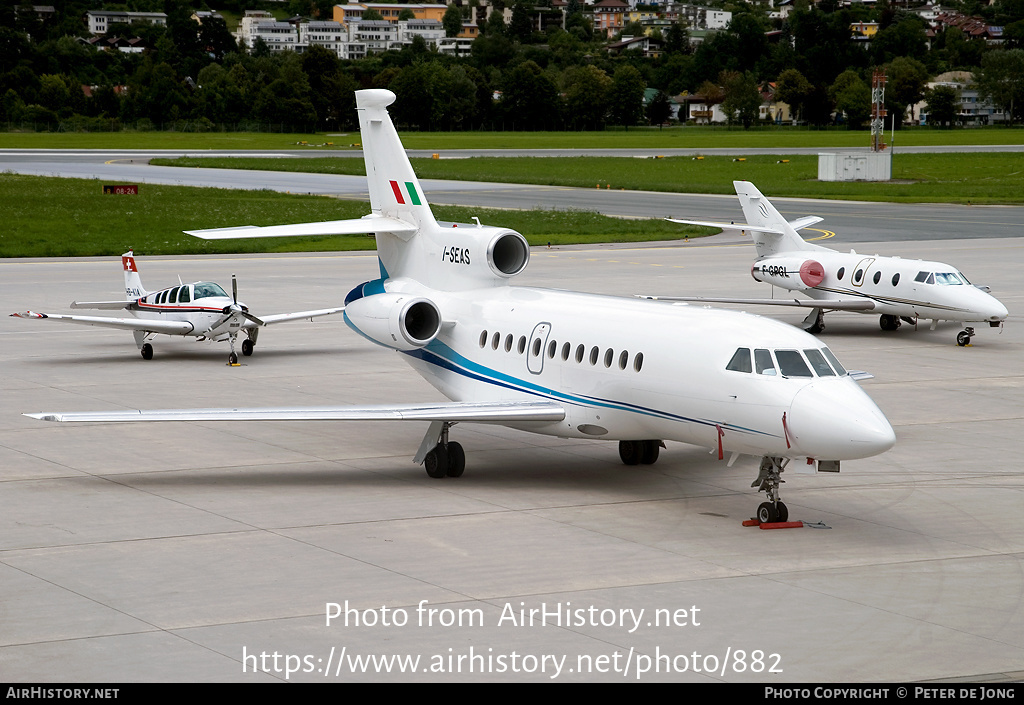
232, 359
963, 338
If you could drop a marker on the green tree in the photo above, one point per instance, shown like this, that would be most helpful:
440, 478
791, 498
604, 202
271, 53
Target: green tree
1001, 80
852, 97
587, 91
943, 105
741, 99
626, 100
659, 110
904, 87
793, 89
452, 21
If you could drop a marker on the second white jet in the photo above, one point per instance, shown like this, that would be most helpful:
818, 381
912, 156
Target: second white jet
895, 288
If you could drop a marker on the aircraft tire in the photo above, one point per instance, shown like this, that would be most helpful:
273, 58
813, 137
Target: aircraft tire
887, 322
436, 462
456, 459
650, 452
630, 452
963, 338
783, 511
147, 351
247, 347
767, 514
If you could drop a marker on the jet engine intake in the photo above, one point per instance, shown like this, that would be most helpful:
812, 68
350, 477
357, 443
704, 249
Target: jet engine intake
395, 320
789, 272
508, 254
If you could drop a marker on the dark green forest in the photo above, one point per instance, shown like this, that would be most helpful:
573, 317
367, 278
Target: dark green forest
195, 77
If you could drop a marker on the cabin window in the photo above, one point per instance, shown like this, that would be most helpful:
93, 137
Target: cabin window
536, 347
638, 362
522, 344
763, 364
508, 343
552, 347
840, 370
579, 353
818, 363
174, 295
740, 361
840, 273
566, 348
183, 297
623, 360
495, 340
792, 364
609, 356
895, 278
163, 296
594, 353
483, 338
858, 275
878, 277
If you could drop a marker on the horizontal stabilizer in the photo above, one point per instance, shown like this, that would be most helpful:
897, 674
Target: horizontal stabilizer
476, 412
832, 305
355, 226
805, 222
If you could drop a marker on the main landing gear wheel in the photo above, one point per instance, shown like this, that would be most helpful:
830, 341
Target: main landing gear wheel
636, 452
964, 337
888, 322
817, 325
447, 458
769, 513
247, 347
147, 351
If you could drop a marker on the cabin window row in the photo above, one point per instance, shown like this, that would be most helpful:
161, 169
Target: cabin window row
945, 278
790, 363
177, 295
566, 352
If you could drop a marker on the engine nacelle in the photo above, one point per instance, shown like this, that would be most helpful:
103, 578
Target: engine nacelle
478, 255
789, 272
395, 320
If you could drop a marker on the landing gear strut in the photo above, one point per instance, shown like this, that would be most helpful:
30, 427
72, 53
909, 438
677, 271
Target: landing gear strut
964, 337
815, 321
768, 481
636, 452
447, 458
232, 356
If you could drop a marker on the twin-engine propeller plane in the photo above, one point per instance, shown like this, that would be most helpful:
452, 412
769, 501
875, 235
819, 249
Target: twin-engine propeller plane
897, 289
563, 363
202, 310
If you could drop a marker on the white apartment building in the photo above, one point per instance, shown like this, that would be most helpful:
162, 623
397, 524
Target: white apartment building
100, 21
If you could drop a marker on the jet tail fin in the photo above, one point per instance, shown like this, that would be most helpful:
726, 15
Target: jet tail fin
133, 288
778, 234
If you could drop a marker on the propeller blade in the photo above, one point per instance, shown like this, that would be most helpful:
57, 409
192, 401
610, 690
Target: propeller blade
234, 289
253, 318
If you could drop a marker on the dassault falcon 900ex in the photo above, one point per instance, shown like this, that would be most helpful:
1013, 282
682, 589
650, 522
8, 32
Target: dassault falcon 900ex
898, 289
202, 310
563, 363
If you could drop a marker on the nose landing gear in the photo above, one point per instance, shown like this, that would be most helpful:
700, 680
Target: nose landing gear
768, 481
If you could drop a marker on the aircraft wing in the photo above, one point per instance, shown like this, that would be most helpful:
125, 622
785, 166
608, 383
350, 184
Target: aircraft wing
168, 327
105, 305
285, 317
475, 412
831, 304
357, 226
798, 224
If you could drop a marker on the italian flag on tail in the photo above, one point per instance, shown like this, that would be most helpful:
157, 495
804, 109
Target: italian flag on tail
408, 196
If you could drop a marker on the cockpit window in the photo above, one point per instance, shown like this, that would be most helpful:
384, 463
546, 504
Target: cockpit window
740, 361
205, 289
792, 364
840, 370
763, 364
947, 278
818, 363
966, 280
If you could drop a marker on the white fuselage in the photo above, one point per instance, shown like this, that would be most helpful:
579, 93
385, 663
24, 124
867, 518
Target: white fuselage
896, 286
631, 369
200, 311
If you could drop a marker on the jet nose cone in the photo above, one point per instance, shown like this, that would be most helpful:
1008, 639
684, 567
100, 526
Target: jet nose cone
833, 419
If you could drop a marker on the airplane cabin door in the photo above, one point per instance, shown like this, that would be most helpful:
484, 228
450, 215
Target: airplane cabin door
535, 350
860, 272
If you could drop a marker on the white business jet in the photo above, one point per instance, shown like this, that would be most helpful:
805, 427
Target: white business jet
562, 363
202, 310
897, 289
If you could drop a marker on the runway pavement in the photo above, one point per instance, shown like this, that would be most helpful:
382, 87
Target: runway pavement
195, 552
